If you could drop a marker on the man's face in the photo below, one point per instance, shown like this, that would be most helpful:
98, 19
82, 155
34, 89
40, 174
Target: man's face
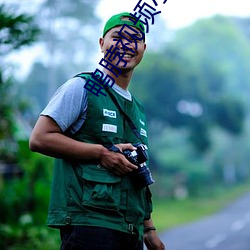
132, 59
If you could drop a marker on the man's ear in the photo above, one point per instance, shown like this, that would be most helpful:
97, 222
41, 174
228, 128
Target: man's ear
101, 42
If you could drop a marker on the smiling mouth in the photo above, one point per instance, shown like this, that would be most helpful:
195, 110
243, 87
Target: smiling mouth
127, 55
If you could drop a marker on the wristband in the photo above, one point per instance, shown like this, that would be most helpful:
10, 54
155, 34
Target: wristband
147, 229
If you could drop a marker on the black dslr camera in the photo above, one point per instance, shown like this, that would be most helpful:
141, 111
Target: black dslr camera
142, 176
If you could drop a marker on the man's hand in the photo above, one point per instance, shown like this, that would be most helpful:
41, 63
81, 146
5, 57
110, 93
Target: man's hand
116, 162
152, 241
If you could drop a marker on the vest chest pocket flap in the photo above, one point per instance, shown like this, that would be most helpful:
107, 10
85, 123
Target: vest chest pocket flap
101, 188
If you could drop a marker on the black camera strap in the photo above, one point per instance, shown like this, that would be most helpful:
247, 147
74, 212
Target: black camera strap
125, 116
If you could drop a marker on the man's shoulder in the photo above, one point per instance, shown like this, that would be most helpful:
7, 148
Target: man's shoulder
137, 101
84, 74
73, 86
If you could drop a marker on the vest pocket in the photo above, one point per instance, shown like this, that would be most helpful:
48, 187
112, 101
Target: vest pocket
101, 188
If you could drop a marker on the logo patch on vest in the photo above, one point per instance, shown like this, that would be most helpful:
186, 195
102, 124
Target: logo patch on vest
109, 113
109, 128
142, 122
143, 132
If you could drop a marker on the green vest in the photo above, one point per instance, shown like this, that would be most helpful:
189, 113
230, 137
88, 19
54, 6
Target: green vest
86, 193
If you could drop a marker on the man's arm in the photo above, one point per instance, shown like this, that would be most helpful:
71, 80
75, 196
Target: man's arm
47, 138
151, 239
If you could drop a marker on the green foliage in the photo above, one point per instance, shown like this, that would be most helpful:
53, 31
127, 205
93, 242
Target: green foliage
11, 108
220, 51
29, 193
15, 30
196, 80
68, 48
230, 114
195, 91
199, 135
8, 105
24, 235
164, 79
24, 203
199, 179
72, 43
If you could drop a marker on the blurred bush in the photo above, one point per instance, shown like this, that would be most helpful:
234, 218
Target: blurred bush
24, 204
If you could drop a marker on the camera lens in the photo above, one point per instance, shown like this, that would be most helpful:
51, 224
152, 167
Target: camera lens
144, 176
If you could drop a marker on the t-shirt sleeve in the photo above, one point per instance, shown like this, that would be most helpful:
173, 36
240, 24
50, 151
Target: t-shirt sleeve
68, 105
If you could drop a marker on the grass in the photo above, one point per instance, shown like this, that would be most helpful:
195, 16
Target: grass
170, 213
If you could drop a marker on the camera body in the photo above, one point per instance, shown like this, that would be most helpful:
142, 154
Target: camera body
142, 177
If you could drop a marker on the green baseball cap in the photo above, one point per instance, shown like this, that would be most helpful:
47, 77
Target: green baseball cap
116, 20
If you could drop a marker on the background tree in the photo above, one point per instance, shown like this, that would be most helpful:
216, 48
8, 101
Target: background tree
16, 31
195, 90
69, 33
193, 85
69, 39
23, 201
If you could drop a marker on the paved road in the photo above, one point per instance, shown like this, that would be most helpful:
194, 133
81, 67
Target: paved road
226, 230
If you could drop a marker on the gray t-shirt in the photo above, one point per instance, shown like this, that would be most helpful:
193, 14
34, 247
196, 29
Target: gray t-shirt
68, 106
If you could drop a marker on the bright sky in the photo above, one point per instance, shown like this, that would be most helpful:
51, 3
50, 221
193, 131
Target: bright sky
176, 13
179, 13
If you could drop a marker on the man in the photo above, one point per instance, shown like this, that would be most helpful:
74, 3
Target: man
95, 202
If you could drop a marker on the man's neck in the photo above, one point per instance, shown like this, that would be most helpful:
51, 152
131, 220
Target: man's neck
121, 80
